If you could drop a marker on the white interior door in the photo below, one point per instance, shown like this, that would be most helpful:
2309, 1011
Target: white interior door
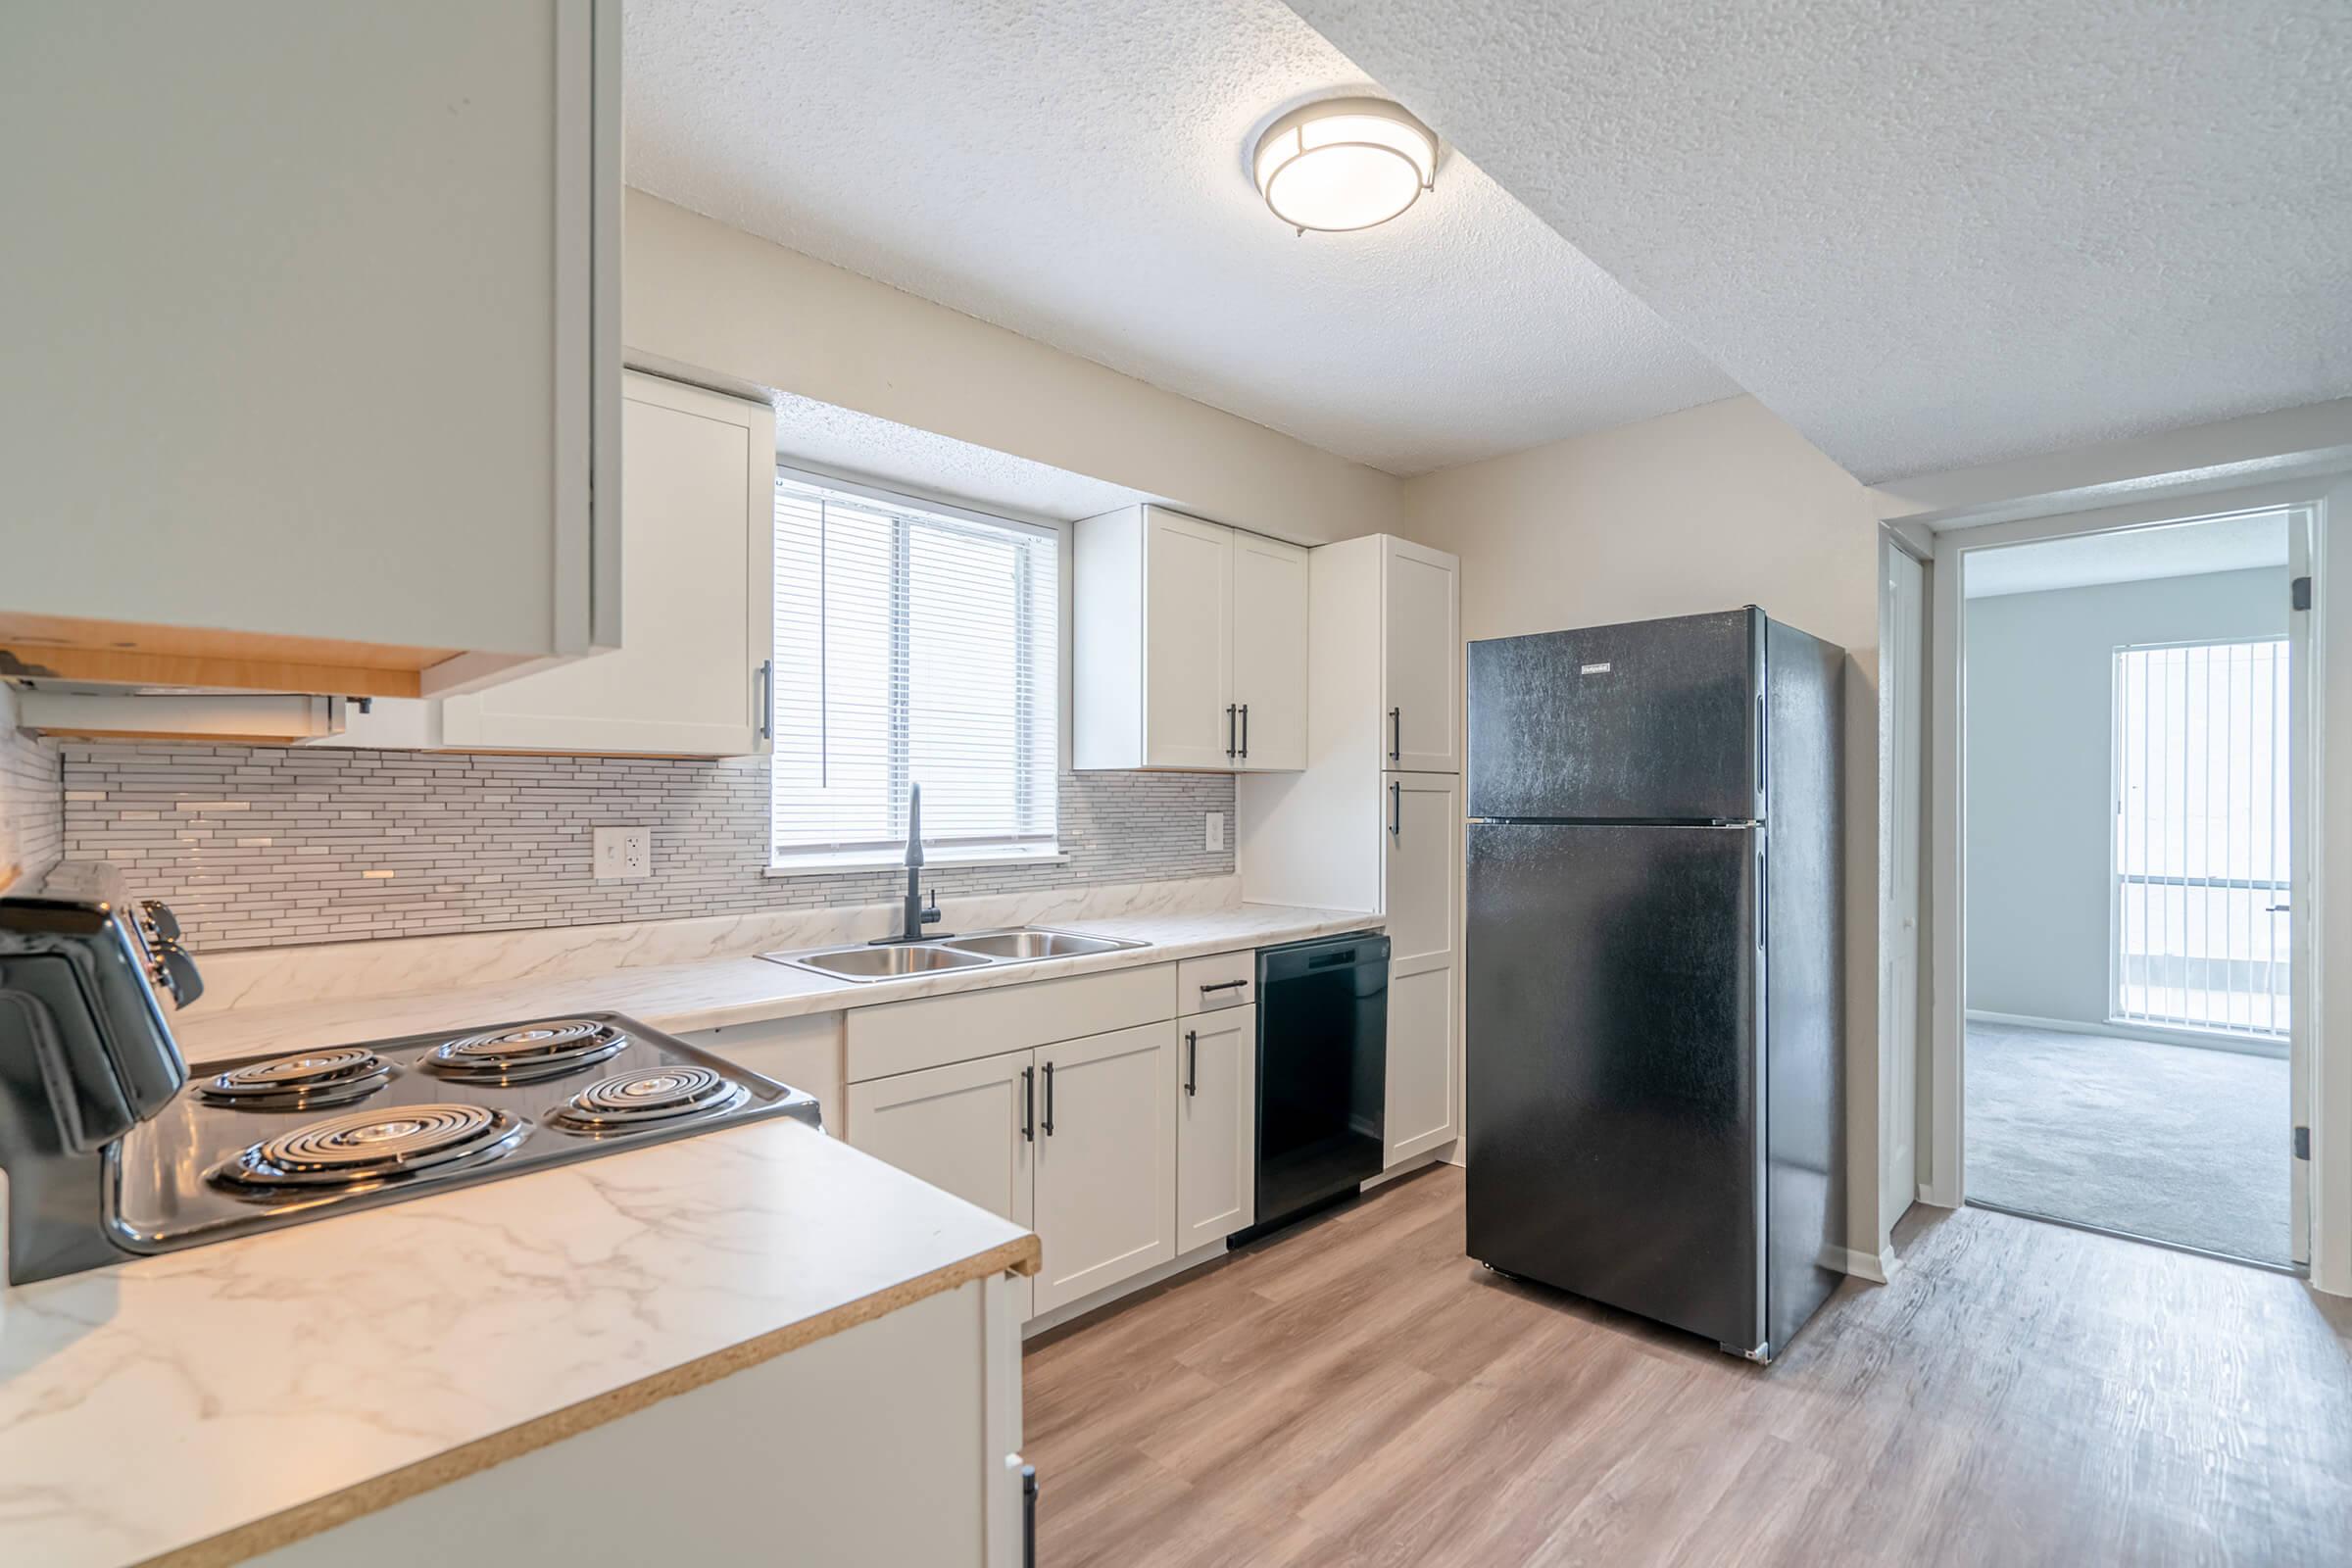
968, 1129
1423, 854
1901, 645
1421, 651
1189, 719
2304, 690
1105, 1159
1269, 652
1216, 1125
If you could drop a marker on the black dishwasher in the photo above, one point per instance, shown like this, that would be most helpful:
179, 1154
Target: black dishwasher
1322, 1073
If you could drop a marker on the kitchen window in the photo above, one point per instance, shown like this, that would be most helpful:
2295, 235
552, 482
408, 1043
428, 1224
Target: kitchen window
915, 644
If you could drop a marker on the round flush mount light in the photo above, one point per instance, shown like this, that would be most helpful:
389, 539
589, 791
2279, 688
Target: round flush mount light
1345, 164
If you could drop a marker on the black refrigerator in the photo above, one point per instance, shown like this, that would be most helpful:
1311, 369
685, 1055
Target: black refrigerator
1655, 1069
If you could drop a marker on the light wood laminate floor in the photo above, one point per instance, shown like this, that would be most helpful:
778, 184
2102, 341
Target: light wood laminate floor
1358, 1392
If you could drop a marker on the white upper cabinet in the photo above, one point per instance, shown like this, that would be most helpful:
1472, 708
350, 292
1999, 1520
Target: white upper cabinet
1188, 642
692, 678
1420, 658
1269, 653
1177, 626
319, 386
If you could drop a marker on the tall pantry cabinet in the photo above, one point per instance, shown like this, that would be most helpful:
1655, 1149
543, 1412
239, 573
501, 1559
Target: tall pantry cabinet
1374, 820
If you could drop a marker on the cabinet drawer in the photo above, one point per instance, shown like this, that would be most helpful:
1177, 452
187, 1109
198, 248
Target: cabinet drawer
908, 1036
1220, 980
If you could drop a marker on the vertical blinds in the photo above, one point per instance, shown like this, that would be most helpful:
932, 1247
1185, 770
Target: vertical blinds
911, 647
2201, 837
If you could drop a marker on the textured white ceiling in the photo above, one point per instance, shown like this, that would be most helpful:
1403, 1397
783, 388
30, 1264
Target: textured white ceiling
1934, 233
1078, 173
2082, 560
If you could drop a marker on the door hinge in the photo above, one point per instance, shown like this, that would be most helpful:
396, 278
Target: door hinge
2302, 1142
2298, 594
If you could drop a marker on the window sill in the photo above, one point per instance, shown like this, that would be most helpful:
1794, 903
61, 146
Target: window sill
856, 861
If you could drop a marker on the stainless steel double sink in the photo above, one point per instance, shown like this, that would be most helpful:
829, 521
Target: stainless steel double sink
865, 962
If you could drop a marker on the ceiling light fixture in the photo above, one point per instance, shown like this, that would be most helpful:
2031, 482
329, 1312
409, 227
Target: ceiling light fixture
1345, 164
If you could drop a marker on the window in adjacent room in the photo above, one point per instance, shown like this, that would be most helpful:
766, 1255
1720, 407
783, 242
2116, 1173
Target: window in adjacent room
913, 646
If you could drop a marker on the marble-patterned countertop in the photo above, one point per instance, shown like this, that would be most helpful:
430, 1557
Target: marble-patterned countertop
203, 1406
713, 991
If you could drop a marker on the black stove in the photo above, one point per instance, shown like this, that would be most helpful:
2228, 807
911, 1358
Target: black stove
272, 1141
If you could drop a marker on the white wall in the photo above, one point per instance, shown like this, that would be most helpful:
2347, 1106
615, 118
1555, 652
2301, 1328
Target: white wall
1708, 508
698, 296
2040, 784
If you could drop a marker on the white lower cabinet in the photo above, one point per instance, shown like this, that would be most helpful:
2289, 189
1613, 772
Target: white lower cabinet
1122, 1148
1106, 1160
968, 1128
1216, 1125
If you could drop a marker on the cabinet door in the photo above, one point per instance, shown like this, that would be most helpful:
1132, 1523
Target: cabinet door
1216, 1123
967, 1129
1188, 642
369, 258
1105, 1159
698, 565
1269, 652
1420, 661
1423, 831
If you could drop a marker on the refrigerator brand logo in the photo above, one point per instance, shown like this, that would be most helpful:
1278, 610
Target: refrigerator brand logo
1594, 669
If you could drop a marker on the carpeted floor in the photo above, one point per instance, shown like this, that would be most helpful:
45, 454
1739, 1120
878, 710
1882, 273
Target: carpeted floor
2170, 1142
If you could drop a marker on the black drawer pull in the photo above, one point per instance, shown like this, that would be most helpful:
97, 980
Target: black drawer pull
1191, 1062
1222, 985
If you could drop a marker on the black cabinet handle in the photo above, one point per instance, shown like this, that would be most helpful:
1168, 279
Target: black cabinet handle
1395, 734
1222, 985
1230, 710
766, 729
1029, 1104
1191, 1062
1049, 1100
1396, 810
1028, 1516
1244, 731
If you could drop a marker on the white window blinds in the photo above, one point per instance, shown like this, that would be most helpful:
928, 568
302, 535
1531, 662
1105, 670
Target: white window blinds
911, 647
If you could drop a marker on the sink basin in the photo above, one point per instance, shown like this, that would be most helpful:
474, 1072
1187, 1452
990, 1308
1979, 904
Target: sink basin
979, 951
882, 963
1035, 944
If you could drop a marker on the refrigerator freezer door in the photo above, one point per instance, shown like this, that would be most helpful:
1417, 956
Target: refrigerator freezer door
1612, 1067
1655, 720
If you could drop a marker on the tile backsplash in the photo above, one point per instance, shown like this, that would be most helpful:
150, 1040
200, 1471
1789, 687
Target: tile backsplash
263, 847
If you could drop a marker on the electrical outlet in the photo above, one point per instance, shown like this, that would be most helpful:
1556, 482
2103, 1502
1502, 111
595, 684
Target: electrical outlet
624, 854
1216, 830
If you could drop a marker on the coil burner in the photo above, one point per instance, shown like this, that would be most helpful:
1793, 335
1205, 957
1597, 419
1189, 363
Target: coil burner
526, 1052
314, 1081
366, 1147
634, 1100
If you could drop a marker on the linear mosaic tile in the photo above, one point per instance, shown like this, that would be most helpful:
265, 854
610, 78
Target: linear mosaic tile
263, 847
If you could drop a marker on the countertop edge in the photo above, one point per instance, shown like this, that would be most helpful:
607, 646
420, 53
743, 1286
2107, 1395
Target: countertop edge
1020, 1255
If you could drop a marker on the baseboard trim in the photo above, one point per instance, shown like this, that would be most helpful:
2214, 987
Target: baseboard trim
1878, 1267
1157, 1273
2155, 1033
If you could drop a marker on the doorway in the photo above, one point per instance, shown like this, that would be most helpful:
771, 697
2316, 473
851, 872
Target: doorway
2128, 716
